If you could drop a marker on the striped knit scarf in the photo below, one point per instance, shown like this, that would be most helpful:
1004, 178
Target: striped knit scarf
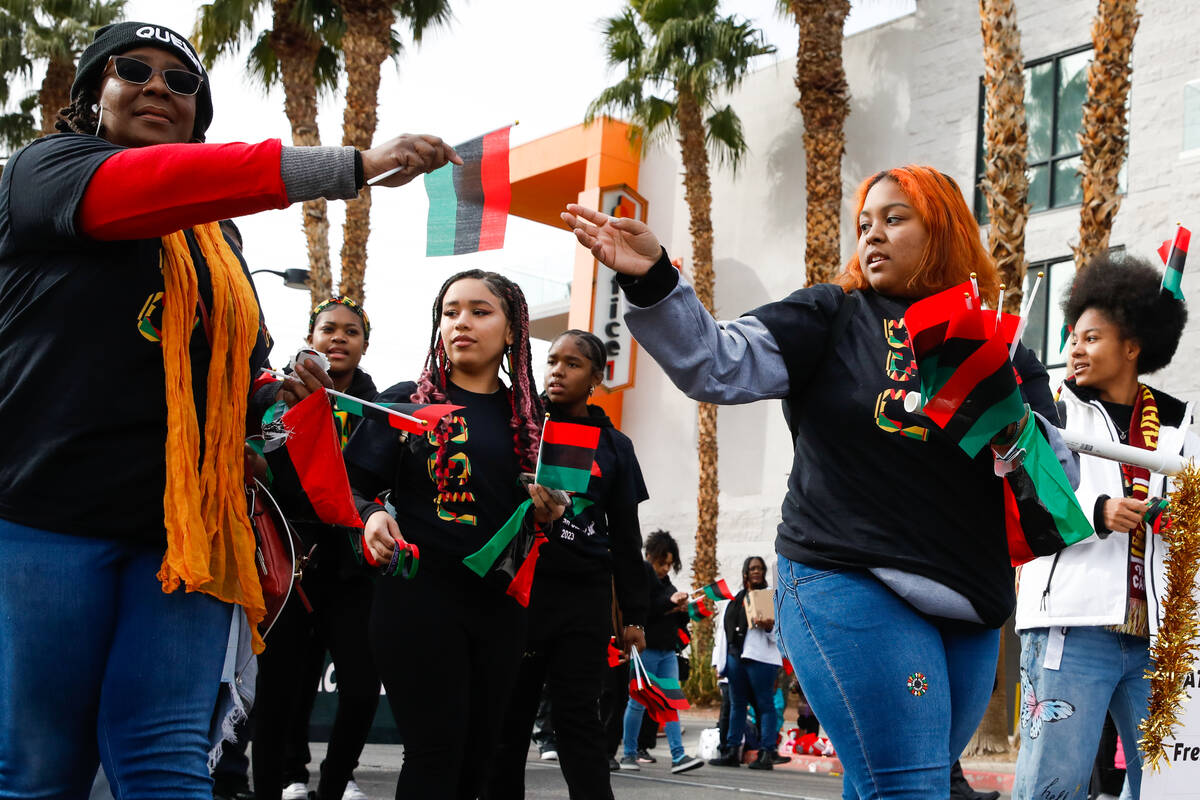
210, 545
1143, 432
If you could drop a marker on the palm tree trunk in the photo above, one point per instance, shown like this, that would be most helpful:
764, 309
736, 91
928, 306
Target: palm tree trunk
55, 92
1104, 135
366, 47
1005, 186
297, 50
824, 103
698, 193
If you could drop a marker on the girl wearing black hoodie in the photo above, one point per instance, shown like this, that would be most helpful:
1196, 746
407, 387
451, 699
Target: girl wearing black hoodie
340, 593
593, 550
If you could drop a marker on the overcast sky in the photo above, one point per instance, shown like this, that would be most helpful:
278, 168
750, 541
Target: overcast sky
536, 61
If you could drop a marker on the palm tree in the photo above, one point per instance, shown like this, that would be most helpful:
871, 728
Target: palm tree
1005, 185
1104, 132
300, 52
678, 55
824, 103
1005, 189
49, 32
368, 41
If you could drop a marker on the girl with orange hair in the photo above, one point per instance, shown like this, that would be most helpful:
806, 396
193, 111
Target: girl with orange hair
894, 569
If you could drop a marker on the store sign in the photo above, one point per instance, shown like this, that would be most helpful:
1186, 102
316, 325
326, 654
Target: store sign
608, 304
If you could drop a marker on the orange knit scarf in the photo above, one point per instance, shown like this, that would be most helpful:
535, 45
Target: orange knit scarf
210, 545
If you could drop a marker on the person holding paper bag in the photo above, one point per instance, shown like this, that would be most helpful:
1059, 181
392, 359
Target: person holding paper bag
129, 338
447, 643
894, 567
751, 661
1086, 615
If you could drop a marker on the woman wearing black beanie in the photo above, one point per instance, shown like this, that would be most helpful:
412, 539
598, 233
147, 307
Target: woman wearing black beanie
129, 337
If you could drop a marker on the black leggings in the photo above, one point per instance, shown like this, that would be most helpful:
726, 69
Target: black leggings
570, 623
448, 647
286, 683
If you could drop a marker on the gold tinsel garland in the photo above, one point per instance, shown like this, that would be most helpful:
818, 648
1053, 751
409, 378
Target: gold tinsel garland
1172, 654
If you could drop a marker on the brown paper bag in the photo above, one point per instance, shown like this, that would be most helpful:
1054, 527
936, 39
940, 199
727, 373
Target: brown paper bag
760, 606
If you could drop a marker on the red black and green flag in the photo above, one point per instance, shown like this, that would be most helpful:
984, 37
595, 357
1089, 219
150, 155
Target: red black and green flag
699, 609
468, 204
308, 473
662, 697
508, 560
566, 455
685, 638
967, 380
1041, 512
1174, 254
430, 415
717, 591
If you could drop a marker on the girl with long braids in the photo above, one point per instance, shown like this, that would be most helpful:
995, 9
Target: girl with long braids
447, 643
592, 551
129, 337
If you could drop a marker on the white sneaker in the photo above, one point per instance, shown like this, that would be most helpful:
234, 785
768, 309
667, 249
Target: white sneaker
549, 755
353, 792
295, 791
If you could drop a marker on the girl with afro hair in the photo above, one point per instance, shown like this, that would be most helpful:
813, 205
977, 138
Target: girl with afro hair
1086, 615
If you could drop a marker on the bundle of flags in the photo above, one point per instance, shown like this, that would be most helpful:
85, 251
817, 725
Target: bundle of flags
566, 455
662, 697
971, 392
967, 379
468, 204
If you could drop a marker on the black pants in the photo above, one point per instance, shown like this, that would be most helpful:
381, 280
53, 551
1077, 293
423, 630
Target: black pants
287, 680
448, 648
570, 622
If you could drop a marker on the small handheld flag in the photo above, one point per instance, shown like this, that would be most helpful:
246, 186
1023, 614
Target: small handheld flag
715, 591
1174, 254
699, 609
566, 455
307, 466
468, 204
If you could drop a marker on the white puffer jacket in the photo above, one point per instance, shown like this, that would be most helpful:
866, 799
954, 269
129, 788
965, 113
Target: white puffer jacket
1087, 584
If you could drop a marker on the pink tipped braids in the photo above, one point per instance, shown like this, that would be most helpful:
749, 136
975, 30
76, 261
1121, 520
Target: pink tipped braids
522, 394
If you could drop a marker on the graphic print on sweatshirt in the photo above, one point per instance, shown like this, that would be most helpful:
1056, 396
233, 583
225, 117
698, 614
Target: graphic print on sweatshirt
455, 503
901, 368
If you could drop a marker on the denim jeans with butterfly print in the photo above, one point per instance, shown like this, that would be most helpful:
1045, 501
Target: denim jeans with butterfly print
1062, 710
899, 692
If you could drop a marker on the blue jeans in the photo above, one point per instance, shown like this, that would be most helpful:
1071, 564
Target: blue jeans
664, 664
900, 693
1099, 671
751, 680
99, 666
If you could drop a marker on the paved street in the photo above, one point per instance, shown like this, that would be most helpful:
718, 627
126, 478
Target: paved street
380, 764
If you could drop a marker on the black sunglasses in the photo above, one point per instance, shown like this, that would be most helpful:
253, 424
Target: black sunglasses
179, 81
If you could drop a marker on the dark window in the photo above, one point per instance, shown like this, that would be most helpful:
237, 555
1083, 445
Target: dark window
1043, 331
1055, 88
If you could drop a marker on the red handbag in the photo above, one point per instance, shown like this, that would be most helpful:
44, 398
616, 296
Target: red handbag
278, 554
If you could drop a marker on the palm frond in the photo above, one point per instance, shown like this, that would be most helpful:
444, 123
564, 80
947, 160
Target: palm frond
423, 15
221, 26
262, 63
725, 138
